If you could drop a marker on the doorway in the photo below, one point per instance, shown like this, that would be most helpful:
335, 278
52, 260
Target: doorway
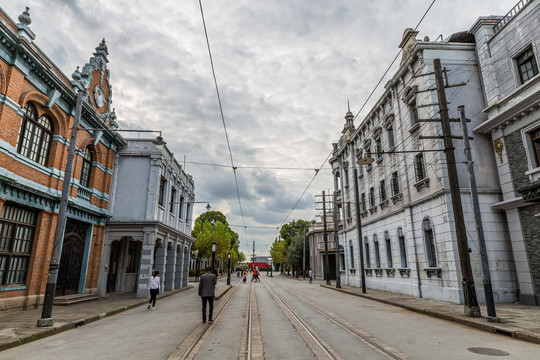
69, 272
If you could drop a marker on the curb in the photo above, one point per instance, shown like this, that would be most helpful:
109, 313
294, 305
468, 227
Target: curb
77, 323
516, 334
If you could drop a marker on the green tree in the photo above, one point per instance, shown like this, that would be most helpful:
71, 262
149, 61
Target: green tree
293, 237
278, 252
212, 226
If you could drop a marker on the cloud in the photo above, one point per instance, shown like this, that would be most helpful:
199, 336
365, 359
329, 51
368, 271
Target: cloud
285, 71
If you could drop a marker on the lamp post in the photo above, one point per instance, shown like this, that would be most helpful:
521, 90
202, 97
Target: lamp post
361, 161
214, 248
46, 314
271, 266
229, 268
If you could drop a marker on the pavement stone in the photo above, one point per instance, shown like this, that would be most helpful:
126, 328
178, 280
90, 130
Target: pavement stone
19, 327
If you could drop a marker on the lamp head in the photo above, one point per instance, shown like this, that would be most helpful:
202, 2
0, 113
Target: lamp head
208, 207
365, 161
214, 246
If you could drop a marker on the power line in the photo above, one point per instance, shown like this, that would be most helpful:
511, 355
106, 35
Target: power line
392, 63
257, 167
223, 119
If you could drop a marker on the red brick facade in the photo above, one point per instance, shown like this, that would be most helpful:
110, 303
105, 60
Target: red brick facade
28, 185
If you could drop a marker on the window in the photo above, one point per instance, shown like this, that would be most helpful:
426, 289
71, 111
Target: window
378, 148
526, 65
86, 167
413, 112
382, 191
371, 197
346, 174
377, 253
36, 135
368, 155
363, 201
349, 210
181, 208
171, 201
419, 167
17, 227
162, 184
389, 260
535, 140
368, 257
391, 140
394, 183
351, 253
429, 241
188, 212
402, 248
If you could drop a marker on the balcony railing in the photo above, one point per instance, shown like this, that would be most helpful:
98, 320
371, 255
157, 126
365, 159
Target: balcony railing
520, 5
84, 194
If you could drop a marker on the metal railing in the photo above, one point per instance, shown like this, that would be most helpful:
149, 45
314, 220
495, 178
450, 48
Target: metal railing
520, 5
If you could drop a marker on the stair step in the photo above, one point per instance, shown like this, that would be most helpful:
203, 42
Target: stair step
73, 299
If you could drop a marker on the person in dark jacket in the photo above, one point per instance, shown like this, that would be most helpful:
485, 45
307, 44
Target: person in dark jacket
207, 289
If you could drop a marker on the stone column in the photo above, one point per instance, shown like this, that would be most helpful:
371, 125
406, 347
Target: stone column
169, 276
185, 263
147, 259
178, 279
161, 260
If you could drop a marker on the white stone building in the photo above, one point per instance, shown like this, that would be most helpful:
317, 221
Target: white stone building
151, 204
408, 232
508, 48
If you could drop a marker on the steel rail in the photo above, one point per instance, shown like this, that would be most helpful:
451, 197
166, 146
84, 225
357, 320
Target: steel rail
323, 347
345, 326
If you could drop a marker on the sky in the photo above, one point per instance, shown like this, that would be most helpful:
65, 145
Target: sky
285, 70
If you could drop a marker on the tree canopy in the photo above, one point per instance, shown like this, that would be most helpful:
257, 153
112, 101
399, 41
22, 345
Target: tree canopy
288, 251
212, 226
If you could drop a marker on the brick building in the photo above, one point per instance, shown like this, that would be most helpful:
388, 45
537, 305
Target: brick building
37, 104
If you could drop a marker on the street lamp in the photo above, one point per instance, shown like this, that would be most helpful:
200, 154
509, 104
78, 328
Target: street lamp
214, 248
361, 161
229, 268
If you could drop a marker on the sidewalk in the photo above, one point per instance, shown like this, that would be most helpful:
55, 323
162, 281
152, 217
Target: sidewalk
518, 321
19, 327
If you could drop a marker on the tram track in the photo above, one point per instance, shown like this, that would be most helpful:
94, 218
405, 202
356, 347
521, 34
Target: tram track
191, 345
370, 340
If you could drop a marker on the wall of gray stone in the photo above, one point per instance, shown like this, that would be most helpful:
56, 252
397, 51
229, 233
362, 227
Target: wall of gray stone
531, 234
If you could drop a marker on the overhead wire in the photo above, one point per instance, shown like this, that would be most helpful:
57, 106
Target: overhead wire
223, 120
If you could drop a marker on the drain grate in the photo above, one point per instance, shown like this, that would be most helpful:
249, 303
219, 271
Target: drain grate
487, 351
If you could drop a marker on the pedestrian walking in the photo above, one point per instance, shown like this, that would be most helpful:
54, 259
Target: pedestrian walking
310, 276
197, 274
154, 290
207, 289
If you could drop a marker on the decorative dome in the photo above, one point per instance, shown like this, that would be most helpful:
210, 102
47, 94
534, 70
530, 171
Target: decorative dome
76, 75
24, 18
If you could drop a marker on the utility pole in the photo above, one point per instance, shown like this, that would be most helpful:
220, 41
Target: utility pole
359, 231
336, 243
488, 290
469, 292
253, 258
304, 255
46, 314
325, 235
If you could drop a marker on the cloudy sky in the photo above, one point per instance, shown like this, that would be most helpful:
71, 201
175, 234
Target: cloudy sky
285, 70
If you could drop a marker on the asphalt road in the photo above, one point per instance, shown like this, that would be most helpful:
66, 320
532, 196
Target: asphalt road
144, 334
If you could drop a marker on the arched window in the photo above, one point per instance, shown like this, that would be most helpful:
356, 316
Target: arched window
351, 253
429, 241
36, 136
368, 258
86, 167
377, 251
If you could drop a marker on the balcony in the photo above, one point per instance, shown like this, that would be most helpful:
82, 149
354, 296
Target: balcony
84, 194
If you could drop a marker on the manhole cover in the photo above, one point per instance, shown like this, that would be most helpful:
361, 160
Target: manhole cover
487, 351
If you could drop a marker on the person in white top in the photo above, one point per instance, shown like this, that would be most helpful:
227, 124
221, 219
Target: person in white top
154, 290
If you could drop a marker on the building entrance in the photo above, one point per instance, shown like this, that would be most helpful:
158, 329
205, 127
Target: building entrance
69, 273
